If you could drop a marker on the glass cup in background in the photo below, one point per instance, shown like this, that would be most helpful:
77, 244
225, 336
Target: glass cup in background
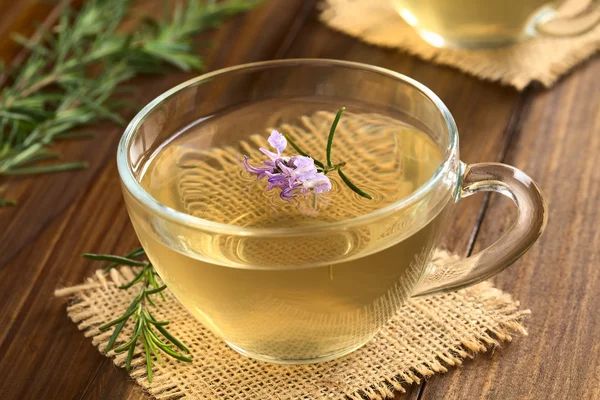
268, 291
492, 23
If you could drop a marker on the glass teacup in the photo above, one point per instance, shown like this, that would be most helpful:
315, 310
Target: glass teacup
492, 23
312, 280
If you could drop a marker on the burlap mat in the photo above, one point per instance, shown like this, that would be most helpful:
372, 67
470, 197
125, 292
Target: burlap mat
542, 59
427, 336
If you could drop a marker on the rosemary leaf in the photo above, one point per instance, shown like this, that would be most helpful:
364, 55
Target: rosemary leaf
124, 317
150, 301
130, 354
46, 169
131, 342
159, 323
172, 339
136, 279
331, 134
352, 186
41, 155
152, 346
134, 253
118, 260
164, 347
157, 290
148, 358
117, 330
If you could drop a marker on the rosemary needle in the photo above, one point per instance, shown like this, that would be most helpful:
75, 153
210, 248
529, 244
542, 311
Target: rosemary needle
146, 328
331, 133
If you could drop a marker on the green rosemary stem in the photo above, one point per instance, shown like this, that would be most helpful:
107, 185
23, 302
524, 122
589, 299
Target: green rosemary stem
352, 186
47, 81
325, 170
46, 169
331, 134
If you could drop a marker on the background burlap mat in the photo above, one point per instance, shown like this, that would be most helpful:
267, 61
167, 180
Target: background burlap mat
427, 336
542, 59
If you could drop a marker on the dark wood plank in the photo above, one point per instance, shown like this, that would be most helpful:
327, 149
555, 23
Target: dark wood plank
19, 17
558, 144
64, 215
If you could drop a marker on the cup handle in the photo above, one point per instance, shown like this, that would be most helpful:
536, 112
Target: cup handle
578, 24
531, 221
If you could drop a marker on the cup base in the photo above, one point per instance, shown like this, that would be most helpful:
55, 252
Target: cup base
285, 361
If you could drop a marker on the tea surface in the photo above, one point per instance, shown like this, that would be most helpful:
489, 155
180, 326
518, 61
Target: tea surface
294, 299
385, 157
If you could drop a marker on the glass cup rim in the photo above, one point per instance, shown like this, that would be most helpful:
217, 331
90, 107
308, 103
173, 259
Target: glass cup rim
140, 194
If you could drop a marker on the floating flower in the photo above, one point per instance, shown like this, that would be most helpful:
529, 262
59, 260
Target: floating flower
292, 175
300, 174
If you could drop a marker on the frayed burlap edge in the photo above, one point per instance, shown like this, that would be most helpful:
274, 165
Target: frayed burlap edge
448, 329
543, 59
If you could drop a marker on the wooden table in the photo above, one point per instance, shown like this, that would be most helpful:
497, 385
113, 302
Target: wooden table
552, 134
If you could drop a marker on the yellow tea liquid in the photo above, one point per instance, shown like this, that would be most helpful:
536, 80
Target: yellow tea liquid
294, 298
464, 21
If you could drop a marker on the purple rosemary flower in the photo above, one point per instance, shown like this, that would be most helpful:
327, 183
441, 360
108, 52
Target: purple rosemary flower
299, 174
292, 175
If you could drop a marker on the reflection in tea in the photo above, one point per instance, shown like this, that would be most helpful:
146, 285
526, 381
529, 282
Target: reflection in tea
470, 21
304, 298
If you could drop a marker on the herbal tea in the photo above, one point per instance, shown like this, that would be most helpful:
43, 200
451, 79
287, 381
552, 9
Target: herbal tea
298, 259
289, 297
474, 21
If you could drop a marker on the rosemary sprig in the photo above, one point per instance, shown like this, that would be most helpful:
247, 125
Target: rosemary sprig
330, 165
73, 72
352, 186
147, 329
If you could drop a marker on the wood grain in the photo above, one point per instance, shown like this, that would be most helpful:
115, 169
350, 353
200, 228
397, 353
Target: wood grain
558, 145
19, 17
550, 134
